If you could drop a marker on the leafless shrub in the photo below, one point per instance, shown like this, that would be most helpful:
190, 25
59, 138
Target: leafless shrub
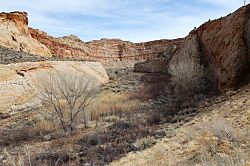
112, 143
223, 130
188, 76
66, 96
26, 133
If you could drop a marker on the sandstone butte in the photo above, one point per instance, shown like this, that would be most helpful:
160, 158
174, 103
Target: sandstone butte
14, 33
21, 81
222, 46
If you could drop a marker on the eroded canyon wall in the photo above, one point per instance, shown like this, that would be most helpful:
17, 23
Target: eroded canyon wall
14, 34
221, 45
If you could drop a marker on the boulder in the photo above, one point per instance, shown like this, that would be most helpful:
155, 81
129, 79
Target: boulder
19, 83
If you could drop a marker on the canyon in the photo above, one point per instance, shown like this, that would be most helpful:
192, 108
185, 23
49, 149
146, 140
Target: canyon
141, 114
221, 45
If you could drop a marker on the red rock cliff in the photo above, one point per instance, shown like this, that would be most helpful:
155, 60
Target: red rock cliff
223, 46
20, 20
14, 34
104, 49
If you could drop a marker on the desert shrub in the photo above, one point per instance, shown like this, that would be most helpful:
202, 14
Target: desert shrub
154, 119
144, 143
101, 147
37, 130
55, 158
112, 143
152, 87
223, 130
222, 144
188, 76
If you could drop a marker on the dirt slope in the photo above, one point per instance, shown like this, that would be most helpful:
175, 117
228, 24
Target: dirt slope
223, 123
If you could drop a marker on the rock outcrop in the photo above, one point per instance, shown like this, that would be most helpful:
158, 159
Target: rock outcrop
116, 49
221, 45
59, 46
20, 82
104, 49
14, 34
152, 66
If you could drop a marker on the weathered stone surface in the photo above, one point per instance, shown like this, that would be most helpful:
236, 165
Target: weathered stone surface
19, 83
59, 47
105, 49
221, 45
14, 34
152, 66
115, 49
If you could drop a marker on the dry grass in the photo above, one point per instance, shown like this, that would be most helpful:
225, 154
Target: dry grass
110, 103
144, 143
44, 123
222, 144
34, 129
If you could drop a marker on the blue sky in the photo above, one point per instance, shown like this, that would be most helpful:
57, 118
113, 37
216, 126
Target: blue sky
133, 20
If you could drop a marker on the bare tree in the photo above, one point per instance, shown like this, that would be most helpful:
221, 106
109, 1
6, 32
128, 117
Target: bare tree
66, 96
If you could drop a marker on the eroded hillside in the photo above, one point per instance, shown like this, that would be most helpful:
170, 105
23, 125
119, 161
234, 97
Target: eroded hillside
105, 49
218, 135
